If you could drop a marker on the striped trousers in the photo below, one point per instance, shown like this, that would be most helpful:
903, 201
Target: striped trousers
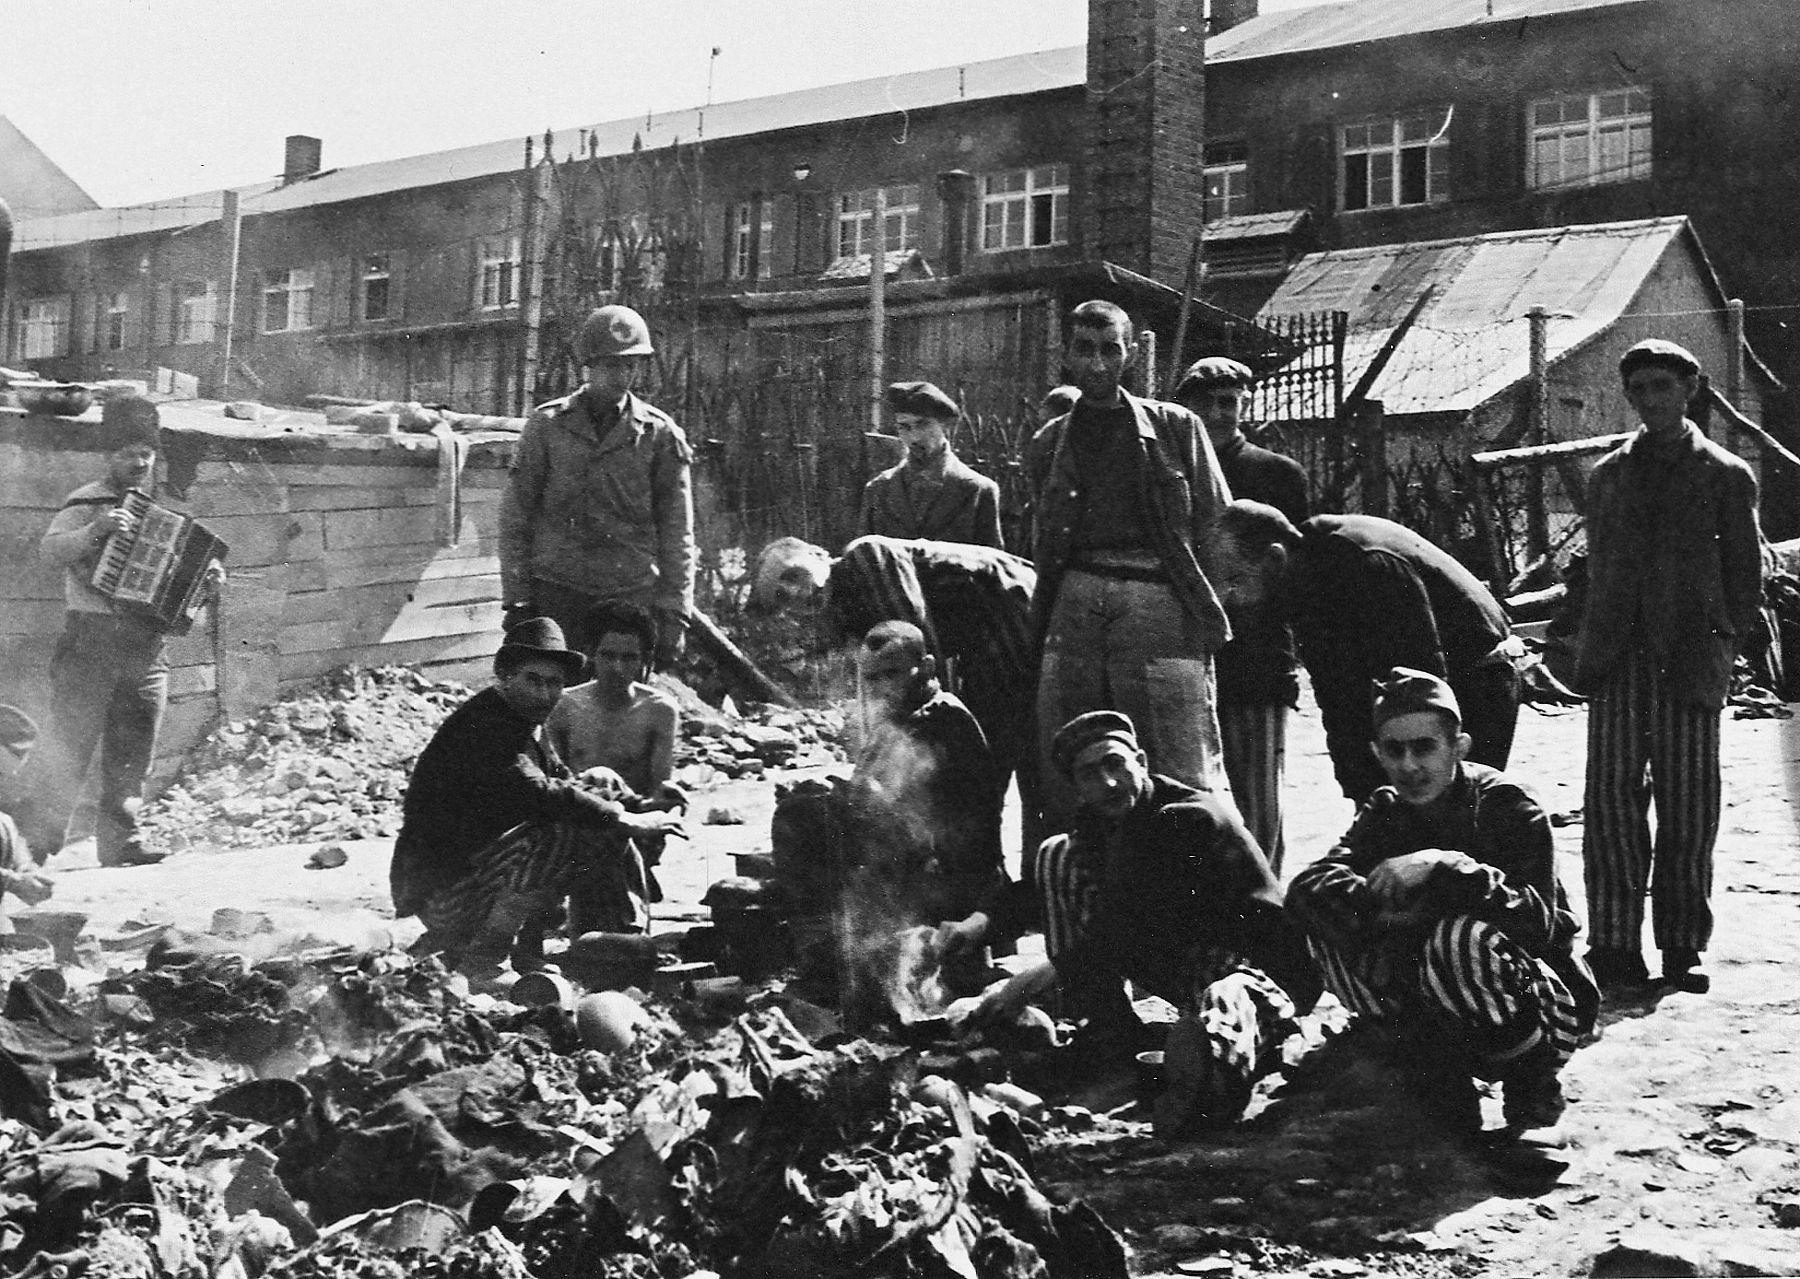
1502, 1002
1237, 1014
1254, 737
514, 881
1634, 723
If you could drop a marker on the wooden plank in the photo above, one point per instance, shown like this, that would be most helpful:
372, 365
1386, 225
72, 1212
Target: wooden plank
387, 598
31, 617
412, 568
410, 624
250, 618
346, 530
300, 668
257, 540
354, 471
356, 497
214, 501
188, 681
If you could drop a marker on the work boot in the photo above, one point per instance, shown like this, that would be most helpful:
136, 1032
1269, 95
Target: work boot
130, 853
528, 952
1198, 1088
1681, 970
1532, 1098
1618, 972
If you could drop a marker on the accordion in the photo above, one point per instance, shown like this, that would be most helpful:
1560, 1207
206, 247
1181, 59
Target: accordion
156, 572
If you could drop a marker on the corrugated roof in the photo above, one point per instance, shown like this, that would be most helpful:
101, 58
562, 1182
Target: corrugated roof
1471, 340
1329, 26
1254, 226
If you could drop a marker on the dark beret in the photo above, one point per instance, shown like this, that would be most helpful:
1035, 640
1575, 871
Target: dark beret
1214, 370
1085, 730
131, 419
1659, 353
16, 727
923, 399
1406, 692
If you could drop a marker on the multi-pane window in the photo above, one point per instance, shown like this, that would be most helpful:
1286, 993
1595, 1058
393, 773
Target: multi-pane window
1397, 162
1227, 175
499, 282
287, 300
1585, 139
1025, 208
110, 313
43, 328
856, 213
751, 228
375, 280
191, 311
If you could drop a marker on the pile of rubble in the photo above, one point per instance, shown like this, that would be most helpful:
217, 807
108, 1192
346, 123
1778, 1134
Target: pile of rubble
331, 761
388, 1123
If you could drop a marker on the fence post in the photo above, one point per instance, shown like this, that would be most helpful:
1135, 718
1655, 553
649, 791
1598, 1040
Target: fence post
1369, 423
1537, 519
1734, 365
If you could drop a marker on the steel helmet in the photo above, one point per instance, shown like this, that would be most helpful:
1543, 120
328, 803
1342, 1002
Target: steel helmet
612, 330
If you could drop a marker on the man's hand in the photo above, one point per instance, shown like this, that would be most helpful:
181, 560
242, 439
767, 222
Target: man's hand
955, 936
117, 520
213, 580
1416, 888
1003, 1003
665, 824
607, 784
31, 888
668, 798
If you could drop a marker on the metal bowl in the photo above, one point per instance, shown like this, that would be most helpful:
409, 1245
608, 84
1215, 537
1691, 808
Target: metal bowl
67, 400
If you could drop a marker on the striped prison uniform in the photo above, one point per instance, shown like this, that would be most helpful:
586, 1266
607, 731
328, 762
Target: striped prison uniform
1254, 737
1178, 900
1495, 961
521, 876
1636, 720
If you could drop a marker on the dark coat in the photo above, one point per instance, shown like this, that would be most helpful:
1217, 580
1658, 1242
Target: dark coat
1674, 565
1181, 872
964, 508
485, 771
1183, 491
1258, 667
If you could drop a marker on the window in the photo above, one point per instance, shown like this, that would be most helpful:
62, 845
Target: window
1025, 208
751, 230
110, 312
191, 311
857, 211
1227, 176
376, 280
1389, 163
43, 329
1585, 139
287, 300
499, 285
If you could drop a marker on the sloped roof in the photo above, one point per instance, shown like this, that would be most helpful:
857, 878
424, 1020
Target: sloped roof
1329, 26
1254, 226
32, 184
1471, 341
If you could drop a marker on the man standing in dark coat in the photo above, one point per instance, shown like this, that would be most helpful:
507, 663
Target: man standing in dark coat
494, 828
1257, 671
1160, 884
1674, 585
1365, 595
931, 494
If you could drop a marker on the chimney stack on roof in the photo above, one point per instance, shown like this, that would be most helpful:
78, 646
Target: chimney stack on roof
1227, 14
302, 158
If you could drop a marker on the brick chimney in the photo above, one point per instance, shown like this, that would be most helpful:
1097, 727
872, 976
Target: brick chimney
302, 157
1140, 205
1227, 14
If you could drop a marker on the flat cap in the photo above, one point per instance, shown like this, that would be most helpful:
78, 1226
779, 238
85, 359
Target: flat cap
923, 399
17, 729
1214, 370
1406, 691
1084, 731
1659, 353
131, 419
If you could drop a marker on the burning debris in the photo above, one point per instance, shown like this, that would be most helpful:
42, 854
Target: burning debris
356, 1113
330, 762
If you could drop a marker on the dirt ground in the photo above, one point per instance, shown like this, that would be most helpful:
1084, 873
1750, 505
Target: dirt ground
1682, 1139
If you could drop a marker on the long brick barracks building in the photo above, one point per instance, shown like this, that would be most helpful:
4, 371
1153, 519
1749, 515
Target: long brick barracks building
1011, 188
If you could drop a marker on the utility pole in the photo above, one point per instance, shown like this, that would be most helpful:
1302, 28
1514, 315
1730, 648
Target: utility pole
231, 239
878, 308
1537, 519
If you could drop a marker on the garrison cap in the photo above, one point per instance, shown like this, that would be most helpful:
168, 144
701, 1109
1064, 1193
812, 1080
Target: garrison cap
1659, 353
1214, 370
1086, 730
17, 729
923, 399
1406, 691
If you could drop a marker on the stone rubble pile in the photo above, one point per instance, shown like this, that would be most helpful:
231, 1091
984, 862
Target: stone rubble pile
330, 762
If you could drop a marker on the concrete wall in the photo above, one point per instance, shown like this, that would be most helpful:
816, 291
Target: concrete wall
339, 556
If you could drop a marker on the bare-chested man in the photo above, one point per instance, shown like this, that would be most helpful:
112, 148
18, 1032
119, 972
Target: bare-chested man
618, 732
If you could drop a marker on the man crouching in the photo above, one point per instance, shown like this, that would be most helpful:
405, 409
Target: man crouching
1161, 884
495, 829
1440, 912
